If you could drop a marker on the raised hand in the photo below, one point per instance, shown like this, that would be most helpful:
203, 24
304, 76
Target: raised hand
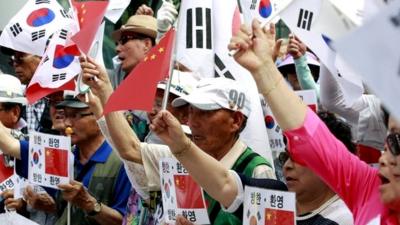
144, 10
96, 77
296, 48
255, 45
168, 128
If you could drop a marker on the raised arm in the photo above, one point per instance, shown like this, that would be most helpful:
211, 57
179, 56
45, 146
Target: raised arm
297, 50
309, 140
255, 47
8, 144
217, 181
123, 138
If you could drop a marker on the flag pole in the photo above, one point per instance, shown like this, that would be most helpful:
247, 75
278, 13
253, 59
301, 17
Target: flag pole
171, 67
68, 132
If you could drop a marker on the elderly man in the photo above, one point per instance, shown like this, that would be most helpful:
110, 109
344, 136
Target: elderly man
218, 110
11, 102
100, 190
37, 114
134, 39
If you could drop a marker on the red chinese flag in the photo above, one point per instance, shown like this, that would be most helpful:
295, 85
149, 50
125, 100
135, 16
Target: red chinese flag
56, 161
188, 193
138, 90
90, 14
5, 172
279, 217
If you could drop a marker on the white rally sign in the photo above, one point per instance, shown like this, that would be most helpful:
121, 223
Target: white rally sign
181, 195
50, 160
263, 206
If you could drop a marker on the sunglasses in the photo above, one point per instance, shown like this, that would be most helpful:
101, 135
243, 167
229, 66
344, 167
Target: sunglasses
124, 39
393, 143
283, 157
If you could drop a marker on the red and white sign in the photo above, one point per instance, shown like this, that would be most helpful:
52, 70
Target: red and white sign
181, 194
262, 206
6, 175
50, 160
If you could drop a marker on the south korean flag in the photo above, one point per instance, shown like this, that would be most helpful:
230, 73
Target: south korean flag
59, 65
30, 28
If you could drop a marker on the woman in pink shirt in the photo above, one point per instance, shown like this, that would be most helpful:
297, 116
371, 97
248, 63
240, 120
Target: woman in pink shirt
369, 193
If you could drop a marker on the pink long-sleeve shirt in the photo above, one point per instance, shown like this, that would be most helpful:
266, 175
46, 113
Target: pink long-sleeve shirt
313, 146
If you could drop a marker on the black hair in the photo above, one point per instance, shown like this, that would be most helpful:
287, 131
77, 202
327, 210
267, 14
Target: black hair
339, 128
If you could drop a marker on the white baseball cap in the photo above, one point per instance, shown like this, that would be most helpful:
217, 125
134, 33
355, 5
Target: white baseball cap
11, 90
182, 83
217, 93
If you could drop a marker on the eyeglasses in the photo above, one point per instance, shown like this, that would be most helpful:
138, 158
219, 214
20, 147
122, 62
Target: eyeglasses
283, 157
393, 143
127, 38
74, 116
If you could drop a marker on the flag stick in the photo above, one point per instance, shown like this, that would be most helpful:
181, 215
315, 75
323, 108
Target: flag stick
68, 133
171, 67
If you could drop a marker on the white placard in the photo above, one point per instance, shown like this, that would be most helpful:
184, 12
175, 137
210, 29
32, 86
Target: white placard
50, 160
7, 181
181, 195
263, 206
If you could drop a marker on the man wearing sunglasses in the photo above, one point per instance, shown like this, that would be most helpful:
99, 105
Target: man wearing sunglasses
37, 114
133, 40
100, 189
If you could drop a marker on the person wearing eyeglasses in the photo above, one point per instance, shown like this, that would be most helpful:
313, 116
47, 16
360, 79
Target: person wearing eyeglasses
316, 202
364, 189
36, 114
133, 40
100, 189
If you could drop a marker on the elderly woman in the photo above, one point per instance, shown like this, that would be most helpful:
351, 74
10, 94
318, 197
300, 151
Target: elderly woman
367, 191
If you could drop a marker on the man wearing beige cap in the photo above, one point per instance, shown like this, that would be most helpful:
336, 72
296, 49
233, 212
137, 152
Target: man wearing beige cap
134, 39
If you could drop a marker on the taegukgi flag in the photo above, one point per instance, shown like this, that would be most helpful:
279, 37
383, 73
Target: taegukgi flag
59, 65
29, 30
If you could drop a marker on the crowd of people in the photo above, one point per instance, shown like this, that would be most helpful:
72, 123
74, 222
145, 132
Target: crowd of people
342, 163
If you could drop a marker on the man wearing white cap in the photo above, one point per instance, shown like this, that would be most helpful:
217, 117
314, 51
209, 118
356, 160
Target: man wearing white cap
11, 101
218, 110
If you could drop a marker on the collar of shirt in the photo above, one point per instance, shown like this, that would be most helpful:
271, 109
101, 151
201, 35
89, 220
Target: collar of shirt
234, 153
100, 156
